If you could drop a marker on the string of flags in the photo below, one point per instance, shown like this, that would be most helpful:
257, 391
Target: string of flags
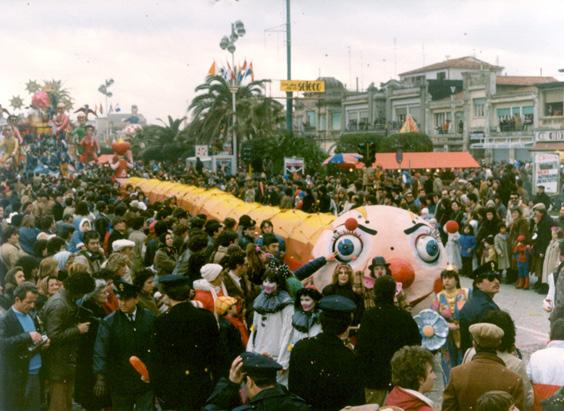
239, 73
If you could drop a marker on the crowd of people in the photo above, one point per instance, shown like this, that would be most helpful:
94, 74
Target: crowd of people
109, 300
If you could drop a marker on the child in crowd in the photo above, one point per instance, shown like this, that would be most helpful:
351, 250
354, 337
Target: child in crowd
489, 254
502, 250
521, 251
467, 243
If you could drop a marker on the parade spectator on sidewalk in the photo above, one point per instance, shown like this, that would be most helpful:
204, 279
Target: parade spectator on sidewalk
484, 373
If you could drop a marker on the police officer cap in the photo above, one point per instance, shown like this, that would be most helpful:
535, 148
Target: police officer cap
256, 364
337, 304
173, 279
125, 290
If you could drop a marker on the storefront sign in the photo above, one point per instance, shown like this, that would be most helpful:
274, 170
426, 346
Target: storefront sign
293, 165
547, 172
477, 136
307, 86
552, 135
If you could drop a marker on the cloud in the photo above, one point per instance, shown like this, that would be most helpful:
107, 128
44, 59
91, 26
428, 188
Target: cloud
159, 51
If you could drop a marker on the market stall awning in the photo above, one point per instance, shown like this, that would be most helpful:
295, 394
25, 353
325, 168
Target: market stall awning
426, 160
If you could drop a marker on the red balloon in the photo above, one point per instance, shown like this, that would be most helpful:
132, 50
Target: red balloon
402, 271
451, 226
351, 224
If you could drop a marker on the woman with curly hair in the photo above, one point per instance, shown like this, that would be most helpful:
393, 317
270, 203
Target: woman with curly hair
342, 284
412, 375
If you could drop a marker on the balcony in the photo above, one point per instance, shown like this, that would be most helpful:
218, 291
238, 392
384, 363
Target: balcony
447, 141
365, 127
517, 139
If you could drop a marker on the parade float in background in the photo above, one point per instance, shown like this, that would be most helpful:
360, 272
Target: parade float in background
409, 243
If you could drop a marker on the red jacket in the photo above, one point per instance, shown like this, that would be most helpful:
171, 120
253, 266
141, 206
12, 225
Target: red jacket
408, 400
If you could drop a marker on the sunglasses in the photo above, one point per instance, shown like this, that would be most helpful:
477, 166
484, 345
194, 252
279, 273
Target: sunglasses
492, 277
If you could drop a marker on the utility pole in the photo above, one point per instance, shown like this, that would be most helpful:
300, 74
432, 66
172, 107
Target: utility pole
289, 102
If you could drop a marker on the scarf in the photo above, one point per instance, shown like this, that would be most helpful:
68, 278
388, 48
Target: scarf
303, 321
269, 304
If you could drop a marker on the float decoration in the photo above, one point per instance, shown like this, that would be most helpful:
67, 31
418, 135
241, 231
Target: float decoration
433, 329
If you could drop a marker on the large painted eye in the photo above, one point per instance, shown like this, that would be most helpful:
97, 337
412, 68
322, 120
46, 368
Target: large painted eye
347, 247
427, 248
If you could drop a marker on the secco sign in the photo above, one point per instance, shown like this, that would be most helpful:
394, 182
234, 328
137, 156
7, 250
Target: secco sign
306, 86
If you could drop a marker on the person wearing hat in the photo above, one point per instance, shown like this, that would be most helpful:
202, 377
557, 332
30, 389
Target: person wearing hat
323, 371
378, 267
486, 372
486, 285
377, 342
185, 351
540, 236
272, 317
210, 286
122, 334
247, 231
542, 198
258, 372
305, 321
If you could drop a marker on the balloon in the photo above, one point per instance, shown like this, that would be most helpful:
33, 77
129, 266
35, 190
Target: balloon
40, 99
451, 227
140, 367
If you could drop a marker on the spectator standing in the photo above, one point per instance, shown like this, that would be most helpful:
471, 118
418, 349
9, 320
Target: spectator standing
467, 243
378, 340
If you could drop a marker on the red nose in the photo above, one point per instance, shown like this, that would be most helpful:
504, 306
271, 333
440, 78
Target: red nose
402, 271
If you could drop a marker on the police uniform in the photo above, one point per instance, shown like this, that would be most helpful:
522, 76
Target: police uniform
186, 352
119, 337
323, 371
276, 398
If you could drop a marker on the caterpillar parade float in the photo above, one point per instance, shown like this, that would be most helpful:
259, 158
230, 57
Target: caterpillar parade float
408, 242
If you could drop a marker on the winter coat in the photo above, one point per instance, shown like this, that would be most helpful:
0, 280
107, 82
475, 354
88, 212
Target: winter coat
472, 313
408, 400
551, 259
15, 361
466, 242
165, 261
186, 356
502, 250
302, 331
486, 372
207, 294
384, 329
540, 235
347, 291
558, 304
453, 250
325, 373
60, 321
546, 371
117, 340
226, 397
10, 254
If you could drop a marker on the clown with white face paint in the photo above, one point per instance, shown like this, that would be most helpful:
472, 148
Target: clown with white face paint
272, 317
408, 243
305, 321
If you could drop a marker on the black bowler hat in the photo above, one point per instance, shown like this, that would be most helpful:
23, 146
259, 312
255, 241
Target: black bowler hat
259, 365
125, 290
378, 261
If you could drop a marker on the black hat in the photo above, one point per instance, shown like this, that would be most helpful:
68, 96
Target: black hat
173, 279
489, 268
125, 290
337, 304
378, 261
245, 221
259, 365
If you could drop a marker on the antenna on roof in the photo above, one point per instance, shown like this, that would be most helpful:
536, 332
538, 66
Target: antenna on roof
423, 55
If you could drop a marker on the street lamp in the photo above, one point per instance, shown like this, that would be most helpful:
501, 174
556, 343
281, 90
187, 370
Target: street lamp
228, 43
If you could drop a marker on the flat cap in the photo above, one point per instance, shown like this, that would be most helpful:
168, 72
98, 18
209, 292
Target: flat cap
119, 245
337, 304
173, 279
486, 335
539, 207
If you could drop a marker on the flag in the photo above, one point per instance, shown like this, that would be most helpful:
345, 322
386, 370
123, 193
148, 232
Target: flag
96, 108
213, 70
244, 68
101, 109
223, 73
240, 74
231, 71
111, 109
252, 71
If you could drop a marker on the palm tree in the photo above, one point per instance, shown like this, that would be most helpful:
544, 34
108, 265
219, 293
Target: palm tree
163, 142
212, 111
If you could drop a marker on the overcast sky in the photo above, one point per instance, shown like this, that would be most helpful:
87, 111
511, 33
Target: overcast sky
159, 51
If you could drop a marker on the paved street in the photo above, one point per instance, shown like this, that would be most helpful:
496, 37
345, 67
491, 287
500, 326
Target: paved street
526, 310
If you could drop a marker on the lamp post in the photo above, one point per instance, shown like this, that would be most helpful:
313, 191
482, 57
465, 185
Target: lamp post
228, 43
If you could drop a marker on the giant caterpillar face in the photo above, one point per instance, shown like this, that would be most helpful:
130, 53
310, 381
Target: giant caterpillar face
409, 243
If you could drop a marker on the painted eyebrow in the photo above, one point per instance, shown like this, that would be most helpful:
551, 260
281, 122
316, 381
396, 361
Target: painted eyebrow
414, 228
365, 229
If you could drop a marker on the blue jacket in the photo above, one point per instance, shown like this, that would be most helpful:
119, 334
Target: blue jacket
465, 242
472, 313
